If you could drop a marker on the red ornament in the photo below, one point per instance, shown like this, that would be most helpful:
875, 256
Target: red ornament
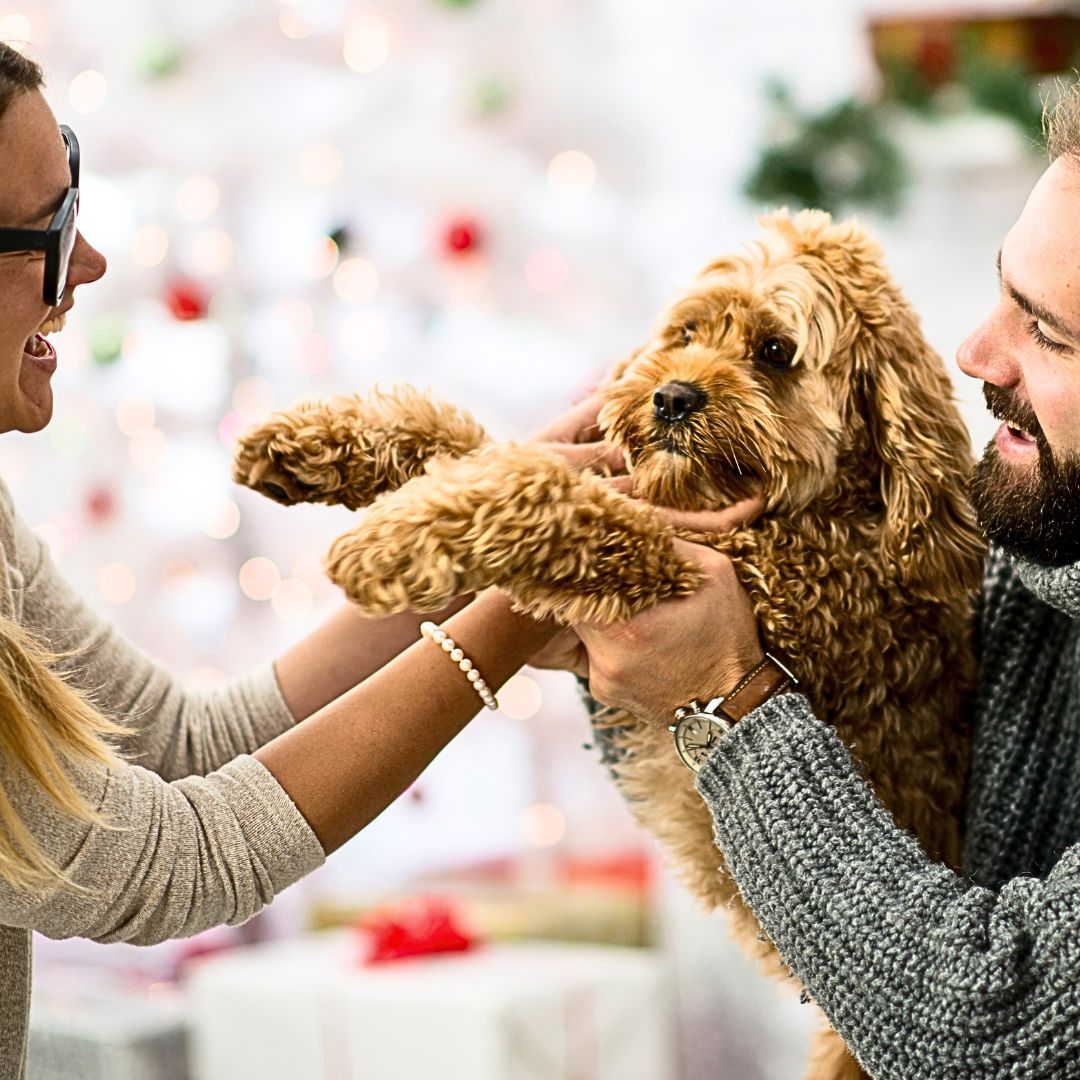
186, 300
462, 236
100, 505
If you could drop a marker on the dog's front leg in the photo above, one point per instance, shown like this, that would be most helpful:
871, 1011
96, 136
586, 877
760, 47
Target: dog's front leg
349, 450
561, 543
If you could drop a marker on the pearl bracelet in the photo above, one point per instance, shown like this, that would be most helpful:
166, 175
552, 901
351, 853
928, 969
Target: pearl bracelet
446, 643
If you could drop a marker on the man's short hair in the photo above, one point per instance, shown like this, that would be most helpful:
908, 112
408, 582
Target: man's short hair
1061, 124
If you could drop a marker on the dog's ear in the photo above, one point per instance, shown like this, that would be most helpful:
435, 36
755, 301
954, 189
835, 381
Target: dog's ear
929, 537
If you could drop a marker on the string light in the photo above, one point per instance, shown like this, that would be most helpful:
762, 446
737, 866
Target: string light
211, 251
321, 164
135, 415
367, 44
520, 698
253, 397
116, 582
364, 335
221, 518
149, 450
321, 258
542, 825
87, 91
571, 173
198, 197
292, 600
15, 29
356, 280
259, 577
149, 245
294, 26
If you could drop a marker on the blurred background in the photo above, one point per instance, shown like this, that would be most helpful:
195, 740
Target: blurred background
490, 199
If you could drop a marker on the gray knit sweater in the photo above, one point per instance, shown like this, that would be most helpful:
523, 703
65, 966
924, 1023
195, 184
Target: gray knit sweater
924, 973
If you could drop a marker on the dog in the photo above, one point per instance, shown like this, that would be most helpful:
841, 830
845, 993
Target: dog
796, 369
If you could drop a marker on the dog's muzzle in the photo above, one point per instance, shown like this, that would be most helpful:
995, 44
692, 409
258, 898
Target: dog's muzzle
675, 401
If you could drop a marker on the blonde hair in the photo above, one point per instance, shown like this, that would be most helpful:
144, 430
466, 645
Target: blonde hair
45, 727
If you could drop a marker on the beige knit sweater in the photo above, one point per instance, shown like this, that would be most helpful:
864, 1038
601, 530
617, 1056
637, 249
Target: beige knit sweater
208, 836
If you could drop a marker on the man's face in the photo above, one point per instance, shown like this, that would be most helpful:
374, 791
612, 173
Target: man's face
1026, 488
33, 180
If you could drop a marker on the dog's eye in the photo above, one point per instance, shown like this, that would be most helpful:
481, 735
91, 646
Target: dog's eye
776, 352
688, 331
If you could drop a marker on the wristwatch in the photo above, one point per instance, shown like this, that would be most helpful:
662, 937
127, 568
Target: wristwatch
699, 728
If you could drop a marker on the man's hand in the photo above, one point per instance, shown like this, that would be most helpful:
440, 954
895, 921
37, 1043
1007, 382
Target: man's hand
576, 436
564, 652
696, 647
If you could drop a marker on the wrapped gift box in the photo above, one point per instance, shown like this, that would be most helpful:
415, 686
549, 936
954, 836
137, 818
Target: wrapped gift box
96, 1024
306, 1009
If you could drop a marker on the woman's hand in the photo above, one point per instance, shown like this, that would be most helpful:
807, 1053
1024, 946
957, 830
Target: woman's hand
695, 647
564, 652
576, 436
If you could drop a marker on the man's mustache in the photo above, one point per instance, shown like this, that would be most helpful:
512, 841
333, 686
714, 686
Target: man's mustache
1005, 405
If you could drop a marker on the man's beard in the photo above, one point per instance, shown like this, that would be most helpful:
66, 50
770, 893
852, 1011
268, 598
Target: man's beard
1030, 512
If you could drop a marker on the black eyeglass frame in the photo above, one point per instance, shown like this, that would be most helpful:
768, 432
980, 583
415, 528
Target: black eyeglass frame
58, 240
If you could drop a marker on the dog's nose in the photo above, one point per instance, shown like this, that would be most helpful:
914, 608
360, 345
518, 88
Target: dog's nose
677, 400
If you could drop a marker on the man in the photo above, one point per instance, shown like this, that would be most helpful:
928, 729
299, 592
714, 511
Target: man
925, 973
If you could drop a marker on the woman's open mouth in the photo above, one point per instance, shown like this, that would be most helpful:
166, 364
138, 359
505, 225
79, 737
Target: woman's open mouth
39, 350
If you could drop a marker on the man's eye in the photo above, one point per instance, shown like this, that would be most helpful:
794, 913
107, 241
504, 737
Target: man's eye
1035, 330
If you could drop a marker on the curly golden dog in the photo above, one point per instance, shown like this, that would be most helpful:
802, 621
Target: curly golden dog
798, 369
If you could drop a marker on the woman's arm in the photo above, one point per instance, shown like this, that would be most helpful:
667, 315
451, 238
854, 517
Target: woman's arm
347, 762
197, 852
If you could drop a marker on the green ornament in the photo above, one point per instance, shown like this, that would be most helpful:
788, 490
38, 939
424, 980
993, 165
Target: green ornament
106, 339
457, 3
491, 95
159, 58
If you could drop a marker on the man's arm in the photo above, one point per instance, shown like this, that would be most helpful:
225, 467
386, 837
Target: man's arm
923, 974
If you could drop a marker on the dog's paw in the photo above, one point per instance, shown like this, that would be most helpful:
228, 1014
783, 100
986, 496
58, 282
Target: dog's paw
517, 517
350, 450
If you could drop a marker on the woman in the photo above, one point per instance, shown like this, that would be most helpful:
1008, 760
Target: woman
129, 809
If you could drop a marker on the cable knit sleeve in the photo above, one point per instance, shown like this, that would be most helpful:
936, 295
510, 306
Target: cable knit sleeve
175, 732
924, 974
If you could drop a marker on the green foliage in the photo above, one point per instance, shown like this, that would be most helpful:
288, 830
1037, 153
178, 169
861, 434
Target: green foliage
834, 159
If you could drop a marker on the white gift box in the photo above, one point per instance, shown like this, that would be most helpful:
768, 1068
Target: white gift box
95, 1024
307, 1009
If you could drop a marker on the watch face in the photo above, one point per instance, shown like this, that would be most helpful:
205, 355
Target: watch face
696, 736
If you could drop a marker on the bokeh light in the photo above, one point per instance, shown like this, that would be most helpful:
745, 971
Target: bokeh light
571, 173
116, 581
87, 91
259, 577
367, 44
543, 825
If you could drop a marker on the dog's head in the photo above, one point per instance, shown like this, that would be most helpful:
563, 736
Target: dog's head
800, 370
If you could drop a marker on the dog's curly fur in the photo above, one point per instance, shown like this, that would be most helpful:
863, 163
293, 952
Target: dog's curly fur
814, 382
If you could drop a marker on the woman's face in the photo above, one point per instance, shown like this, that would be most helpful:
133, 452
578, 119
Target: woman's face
33, 179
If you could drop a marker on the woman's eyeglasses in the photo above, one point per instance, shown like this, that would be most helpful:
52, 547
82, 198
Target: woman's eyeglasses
58, 240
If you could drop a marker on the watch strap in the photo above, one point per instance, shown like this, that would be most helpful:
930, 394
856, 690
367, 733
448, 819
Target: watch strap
771, 677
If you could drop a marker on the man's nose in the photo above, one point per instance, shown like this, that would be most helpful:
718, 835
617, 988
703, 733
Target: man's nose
984, 355
676, 401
